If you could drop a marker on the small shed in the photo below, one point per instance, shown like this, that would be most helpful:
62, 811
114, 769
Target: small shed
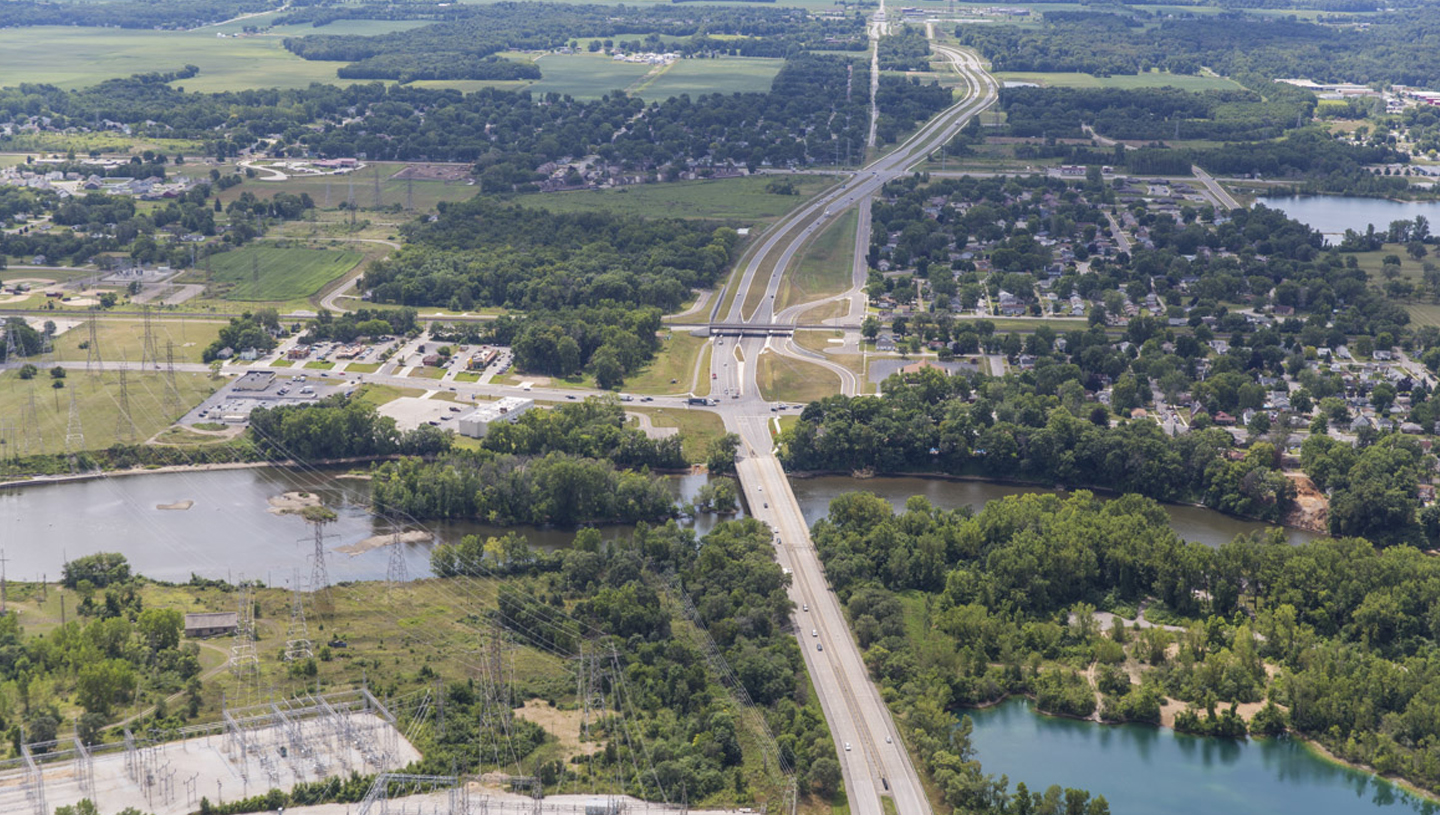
213, 624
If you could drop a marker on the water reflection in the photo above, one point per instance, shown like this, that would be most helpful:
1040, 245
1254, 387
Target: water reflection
1183, 775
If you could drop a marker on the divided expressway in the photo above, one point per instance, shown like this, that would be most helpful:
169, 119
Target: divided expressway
873, 758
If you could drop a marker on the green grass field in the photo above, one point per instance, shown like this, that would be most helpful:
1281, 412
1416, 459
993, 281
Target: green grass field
743, 199
125, 339
700, 76
329, 192
1148, 80
783, 379
675, 360
585, 76
824, 268
98, 400
697, 427
285, 274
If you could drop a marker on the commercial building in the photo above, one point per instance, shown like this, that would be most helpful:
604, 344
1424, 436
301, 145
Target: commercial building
477, 422
254, 381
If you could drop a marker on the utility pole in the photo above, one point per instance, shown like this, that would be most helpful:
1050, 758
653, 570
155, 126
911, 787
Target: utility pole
93, 363
150, 354
378, 203
409, 194
297, 639
124, 424
173, 405
396, 571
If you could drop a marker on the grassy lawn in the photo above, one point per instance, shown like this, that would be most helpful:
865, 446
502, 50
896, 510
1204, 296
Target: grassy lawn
724, 75
125, 339
283, 363
1428, 314
182, 437
98, 400
425, 372
742, 198
824, 268
1372, 262
1154, 79
817, 340
362, 367
675, 360
782, 379
284, 274
317, 365
697, 427
585, 76
378, 395
467, 376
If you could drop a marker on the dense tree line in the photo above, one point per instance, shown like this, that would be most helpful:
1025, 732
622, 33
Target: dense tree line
595, 428
1149, 113
1336, 635
907, 50
619, 593
1008, 429
1391, 48
464, 44
337, 427
172, 14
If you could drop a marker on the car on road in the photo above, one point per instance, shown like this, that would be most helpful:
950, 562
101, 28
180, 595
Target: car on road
847, 746
814, 632
570, 396
819, 646
887, 739
805, 607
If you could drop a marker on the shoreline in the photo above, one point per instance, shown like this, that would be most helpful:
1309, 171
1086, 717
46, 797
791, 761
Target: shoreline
1040, 485
1310, 745
73, 478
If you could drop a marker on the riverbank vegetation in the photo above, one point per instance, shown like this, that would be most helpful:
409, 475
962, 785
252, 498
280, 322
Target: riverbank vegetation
663, 725
1331, 639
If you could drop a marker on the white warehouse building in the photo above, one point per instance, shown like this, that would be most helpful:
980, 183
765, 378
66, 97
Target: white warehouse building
477, 422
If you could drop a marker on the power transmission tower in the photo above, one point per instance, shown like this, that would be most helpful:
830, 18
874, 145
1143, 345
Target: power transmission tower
319, 573
243, 659
14, 349
409, 194
30, 424
124, 424
378, 203
93, 362
150, 353
297, 637
173, 405
74, 434
395, 570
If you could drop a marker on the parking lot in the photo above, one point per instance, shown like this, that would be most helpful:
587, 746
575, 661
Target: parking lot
232, 403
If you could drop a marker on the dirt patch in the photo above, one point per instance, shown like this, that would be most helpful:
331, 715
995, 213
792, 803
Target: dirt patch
1311, 509
562, 724
377, 541
293, 502
435, 172
178, 505
1168, 710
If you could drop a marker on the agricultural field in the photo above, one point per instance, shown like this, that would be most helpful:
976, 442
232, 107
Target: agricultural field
125, 339
284, 274
824, 269
738, 199
92, 55
585, 76
1156, 79
700, 76
98, 399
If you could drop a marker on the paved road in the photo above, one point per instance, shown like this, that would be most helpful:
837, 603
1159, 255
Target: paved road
871, 757
1222, 197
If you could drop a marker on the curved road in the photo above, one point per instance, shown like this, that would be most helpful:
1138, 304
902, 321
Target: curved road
872, 756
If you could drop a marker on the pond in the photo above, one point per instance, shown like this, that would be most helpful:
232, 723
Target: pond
1191, 523
1156, 771
1333, 214
229, 531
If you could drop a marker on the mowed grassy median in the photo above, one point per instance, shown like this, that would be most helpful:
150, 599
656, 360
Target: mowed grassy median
284, 274
824, 268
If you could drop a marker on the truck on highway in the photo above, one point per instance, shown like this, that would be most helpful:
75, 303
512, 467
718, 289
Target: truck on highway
699, 400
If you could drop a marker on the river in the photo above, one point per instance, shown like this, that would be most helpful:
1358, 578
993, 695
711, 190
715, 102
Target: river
229, 532
1191, 523
1143, 770
1333, 214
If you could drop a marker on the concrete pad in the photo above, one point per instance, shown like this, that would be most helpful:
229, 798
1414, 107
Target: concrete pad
409, 412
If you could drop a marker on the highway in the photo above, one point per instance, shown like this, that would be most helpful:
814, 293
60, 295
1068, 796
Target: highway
872, 757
